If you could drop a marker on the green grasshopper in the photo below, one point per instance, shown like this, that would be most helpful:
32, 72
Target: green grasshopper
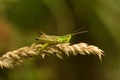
47, 40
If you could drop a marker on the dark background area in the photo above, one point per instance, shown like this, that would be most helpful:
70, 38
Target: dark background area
22, 20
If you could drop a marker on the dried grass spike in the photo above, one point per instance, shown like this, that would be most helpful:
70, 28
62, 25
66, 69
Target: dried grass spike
59, 56
43, 56
13, 58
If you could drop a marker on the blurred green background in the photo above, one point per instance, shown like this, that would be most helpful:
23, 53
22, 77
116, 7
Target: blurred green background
21, 21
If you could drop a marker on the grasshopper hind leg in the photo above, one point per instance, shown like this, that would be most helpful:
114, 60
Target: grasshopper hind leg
43, 46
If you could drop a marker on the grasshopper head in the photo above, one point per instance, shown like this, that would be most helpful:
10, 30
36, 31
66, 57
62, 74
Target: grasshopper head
68, 37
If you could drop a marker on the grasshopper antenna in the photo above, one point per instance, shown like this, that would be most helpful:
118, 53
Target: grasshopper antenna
79, 32
79, 29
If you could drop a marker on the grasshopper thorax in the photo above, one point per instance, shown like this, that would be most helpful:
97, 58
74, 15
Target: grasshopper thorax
63, 39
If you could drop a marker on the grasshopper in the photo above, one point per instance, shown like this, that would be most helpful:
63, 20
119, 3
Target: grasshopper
47, 40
